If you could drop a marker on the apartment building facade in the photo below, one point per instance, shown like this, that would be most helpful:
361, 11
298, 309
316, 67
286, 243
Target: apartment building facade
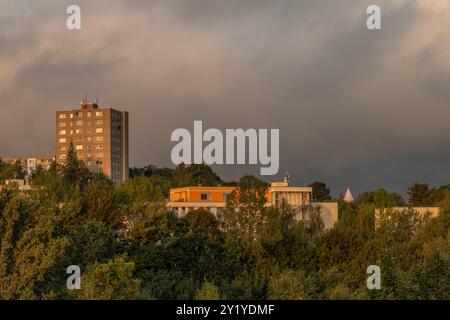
99, 137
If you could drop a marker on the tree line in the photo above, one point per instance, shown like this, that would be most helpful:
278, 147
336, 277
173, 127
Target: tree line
129, 246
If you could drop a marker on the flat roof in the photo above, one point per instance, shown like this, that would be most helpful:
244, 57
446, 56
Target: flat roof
228, 188
199, 188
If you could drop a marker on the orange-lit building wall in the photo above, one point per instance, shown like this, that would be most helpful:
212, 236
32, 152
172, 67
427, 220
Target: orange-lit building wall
194, 194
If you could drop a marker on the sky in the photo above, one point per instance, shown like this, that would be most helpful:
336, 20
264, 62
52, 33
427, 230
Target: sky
355, 107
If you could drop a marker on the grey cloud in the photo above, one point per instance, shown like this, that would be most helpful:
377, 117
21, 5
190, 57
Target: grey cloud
367, 109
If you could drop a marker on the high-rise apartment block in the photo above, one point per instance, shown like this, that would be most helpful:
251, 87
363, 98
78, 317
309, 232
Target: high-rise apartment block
99, 137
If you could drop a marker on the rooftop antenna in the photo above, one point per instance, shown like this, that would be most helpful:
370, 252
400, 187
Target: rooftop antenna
84, 101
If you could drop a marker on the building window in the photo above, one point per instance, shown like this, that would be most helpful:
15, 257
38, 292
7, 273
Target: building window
79, 131
98, 121
62, 140
89, 122
226, 196
99, 113
62, 132
89, 114
99, 130
99, 154
62, 124
98, 139
62, 148
62, 116
79, 147
62, 157
99, 147
89, 139
79, 139
204, 196
79, 155
79, 114
71, 115
79, 122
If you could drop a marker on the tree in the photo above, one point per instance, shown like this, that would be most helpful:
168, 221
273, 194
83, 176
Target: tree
316, 225
93, 242
244, 212
432, 277
276, 230
31, 246
286, 285
128, 245
381, 199
100, 202
419, 194
208, 291
321, 192
75, 172
181, 176
11, 171
439, 195
202, 222
109, 281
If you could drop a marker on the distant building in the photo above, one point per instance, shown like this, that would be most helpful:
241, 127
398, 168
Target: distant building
30, 164
421, 211
99, 136
183, 200
21, 183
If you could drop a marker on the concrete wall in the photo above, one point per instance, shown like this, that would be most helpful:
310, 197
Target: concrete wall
328, 212
422, 211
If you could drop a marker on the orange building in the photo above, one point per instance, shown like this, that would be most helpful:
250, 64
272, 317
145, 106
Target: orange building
201, 194
183, 200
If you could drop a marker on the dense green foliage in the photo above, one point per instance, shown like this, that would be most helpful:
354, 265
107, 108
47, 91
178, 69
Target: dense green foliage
321, 192
421, 195
10, 171
181, 176
129, 246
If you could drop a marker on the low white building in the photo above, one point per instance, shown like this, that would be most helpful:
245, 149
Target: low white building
183, 200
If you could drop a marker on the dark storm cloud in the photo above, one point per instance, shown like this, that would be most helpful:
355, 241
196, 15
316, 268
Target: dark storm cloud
354, 107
